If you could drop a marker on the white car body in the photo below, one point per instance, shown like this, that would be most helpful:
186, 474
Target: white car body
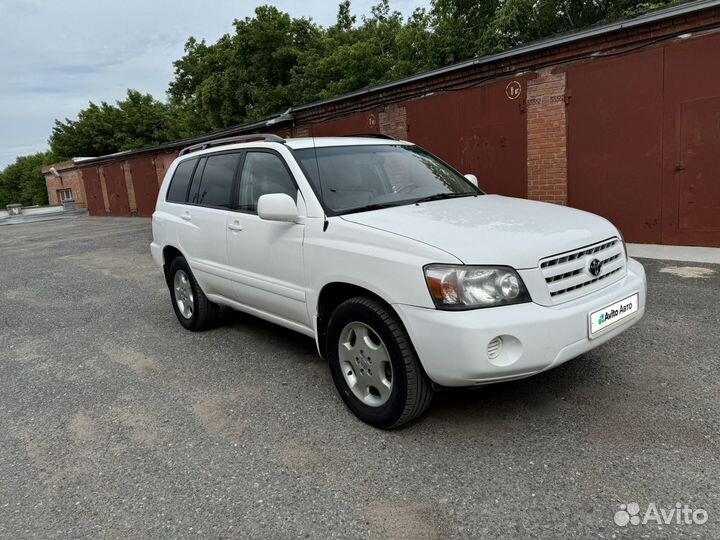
277, 270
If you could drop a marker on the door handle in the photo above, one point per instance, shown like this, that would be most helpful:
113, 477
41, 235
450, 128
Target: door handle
186, 216
235, 227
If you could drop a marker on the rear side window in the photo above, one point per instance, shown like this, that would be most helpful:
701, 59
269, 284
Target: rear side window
194, 190
177, 192
217, 181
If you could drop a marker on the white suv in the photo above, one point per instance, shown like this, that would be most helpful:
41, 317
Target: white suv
405, 273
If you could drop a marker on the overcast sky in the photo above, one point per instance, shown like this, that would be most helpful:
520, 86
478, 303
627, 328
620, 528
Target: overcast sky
56, 56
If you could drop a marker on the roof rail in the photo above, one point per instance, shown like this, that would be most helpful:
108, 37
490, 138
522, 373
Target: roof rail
265, 137
372, 136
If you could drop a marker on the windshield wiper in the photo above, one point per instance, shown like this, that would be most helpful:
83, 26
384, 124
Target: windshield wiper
376, 206
441, 196
380, 206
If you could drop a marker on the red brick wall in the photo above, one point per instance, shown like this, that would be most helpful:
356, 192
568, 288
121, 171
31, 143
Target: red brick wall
301, 131
393, 121
70, 178
547, 138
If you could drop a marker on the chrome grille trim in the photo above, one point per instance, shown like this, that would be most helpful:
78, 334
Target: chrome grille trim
577, 255
574, 287
567, 275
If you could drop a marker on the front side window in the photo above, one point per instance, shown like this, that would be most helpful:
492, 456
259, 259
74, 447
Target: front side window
357, 178
217, 181
263, 173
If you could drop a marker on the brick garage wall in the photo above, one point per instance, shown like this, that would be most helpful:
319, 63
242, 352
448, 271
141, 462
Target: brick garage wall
70, 178
393, 121
547, 138
162, 164
301, 131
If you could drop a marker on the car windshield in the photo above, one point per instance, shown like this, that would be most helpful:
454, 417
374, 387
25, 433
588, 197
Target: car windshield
359, 178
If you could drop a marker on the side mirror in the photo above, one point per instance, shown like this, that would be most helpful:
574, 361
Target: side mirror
473, 179
277, 207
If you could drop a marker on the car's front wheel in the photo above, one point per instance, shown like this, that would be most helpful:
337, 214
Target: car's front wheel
192, 308
374, 365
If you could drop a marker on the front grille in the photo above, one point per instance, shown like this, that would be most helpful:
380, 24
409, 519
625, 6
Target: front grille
568, 275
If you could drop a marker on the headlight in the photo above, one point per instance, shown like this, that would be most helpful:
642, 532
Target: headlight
470, 287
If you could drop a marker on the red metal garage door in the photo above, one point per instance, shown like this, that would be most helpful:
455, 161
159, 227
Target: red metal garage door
144, 179
691, 148
615, 142
481, 131
643, 141
93, 191
434, 124
698, 170
116, 190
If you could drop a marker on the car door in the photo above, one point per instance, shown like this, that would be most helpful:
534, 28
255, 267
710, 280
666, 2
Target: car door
210, 198
266, 256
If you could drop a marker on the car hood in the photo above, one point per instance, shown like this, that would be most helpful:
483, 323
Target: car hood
491, 229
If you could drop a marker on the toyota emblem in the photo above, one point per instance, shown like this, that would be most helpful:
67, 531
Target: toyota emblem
595, 267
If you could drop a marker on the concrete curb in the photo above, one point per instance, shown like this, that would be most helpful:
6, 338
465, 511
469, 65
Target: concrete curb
17, 220
675, 253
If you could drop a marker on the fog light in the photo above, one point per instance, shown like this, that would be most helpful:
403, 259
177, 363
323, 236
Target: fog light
504, 350
494, 348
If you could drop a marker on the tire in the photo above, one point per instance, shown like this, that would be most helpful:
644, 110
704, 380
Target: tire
358, 329
192, 308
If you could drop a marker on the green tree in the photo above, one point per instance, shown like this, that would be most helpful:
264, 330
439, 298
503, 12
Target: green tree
243, 76
349, 58
345, 18
458, 27
137, 121
22, 182
143, 121
514, 22
466, 28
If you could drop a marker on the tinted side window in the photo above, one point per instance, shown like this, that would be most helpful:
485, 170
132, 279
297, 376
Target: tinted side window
177, 192
263, 173
217, 180
195, 184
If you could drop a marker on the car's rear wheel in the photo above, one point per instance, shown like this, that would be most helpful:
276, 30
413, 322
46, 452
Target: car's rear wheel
374, 365
192, 308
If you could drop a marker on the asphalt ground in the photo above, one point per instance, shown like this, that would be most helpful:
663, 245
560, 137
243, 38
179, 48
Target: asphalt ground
116, 422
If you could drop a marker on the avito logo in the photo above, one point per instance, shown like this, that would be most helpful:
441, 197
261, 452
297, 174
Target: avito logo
604, 317
631, 514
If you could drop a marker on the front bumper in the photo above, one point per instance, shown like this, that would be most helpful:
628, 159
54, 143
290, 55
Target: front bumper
453, 345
